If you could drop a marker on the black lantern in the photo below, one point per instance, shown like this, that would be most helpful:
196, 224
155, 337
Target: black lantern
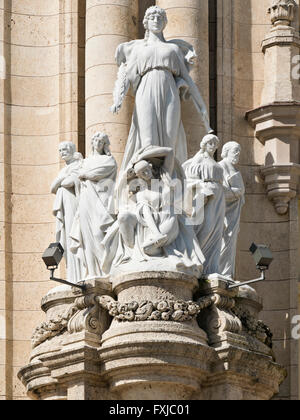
52, 257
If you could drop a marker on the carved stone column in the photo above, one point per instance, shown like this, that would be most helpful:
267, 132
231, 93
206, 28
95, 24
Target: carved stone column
277, 121
108, 24
188, 20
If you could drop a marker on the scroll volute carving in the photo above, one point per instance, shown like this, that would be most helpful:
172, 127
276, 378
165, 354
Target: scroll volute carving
88, 316
219, 318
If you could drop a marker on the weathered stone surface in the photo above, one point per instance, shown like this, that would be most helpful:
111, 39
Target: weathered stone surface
38, 75
86, 358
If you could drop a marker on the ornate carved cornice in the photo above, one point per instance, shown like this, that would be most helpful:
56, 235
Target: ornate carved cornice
286, 37
275, 120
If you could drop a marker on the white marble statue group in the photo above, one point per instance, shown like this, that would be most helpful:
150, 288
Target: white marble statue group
162, 212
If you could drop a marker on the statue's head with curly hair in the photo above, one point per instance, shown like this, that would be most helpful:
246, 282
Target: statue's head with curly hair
155, 20
100, 141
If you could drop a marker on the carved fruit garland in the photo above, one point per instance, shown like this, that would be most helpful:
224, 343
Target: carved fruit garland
164, 310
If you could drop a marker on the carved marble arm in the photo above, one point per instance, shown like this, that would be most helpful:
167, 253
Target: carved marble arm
197, 98
56, 184
96, 174
69, 182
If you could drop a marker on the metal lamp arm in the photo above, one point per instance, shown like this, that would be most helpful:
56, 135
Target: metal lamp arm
262, 277
82, 287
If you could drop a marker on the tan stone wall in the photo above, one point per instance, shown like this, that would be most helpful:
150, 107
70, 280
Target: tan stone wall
42, 102
242, 25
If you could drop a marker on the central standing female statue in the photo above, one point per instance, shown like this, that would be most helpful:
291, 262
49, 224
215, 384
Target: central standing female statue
158, 71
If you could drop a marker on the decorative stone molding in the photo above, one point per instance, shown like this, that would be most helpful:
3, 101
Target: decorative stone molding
277, 126
72, 311
157, 359
243, 375
282, 12
50, 329
163, 310
219, 321
86, 315
282, 184
82, 315
254, 327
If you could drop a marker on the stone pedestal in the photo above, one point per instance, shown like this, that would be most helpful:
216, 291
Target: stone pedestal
154, 348
145, 337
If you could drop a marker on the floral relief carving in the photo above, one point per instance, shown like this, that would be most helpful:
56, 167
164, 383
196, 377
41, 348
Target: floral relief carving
254, 327
83, 314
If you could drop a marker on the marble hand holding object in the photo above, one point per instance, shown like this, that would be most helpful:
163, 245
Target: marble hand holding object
234, 193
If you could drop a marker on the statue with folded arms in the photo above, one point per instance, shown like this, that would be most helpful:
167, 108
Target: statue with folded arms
158, 72
234, 194
66, 188
95, 207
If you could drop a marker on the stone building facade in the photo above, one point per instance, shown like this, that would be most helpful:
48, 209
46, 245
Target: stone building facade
57, 72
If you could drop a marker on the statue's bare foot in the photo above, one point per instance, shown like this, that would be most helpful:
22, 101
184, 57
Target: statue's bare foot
155, 243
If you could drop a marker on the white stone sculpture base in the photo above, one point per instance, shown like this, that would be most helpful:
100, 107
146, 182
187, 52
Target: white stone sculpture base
153, 348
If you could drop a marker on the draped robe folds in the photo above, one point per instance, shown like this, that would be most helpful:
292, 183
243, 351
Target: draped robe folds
234, 204
181, 252
156, 73
210, 232
95, 212
65, 207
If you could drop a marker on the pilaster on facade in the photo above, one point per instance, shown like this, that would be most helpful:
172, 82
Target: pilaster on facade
276, 121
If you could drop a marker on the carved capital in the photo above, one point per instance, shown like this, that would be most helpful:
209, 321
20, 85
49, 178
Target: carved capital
82, 315
282, 12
